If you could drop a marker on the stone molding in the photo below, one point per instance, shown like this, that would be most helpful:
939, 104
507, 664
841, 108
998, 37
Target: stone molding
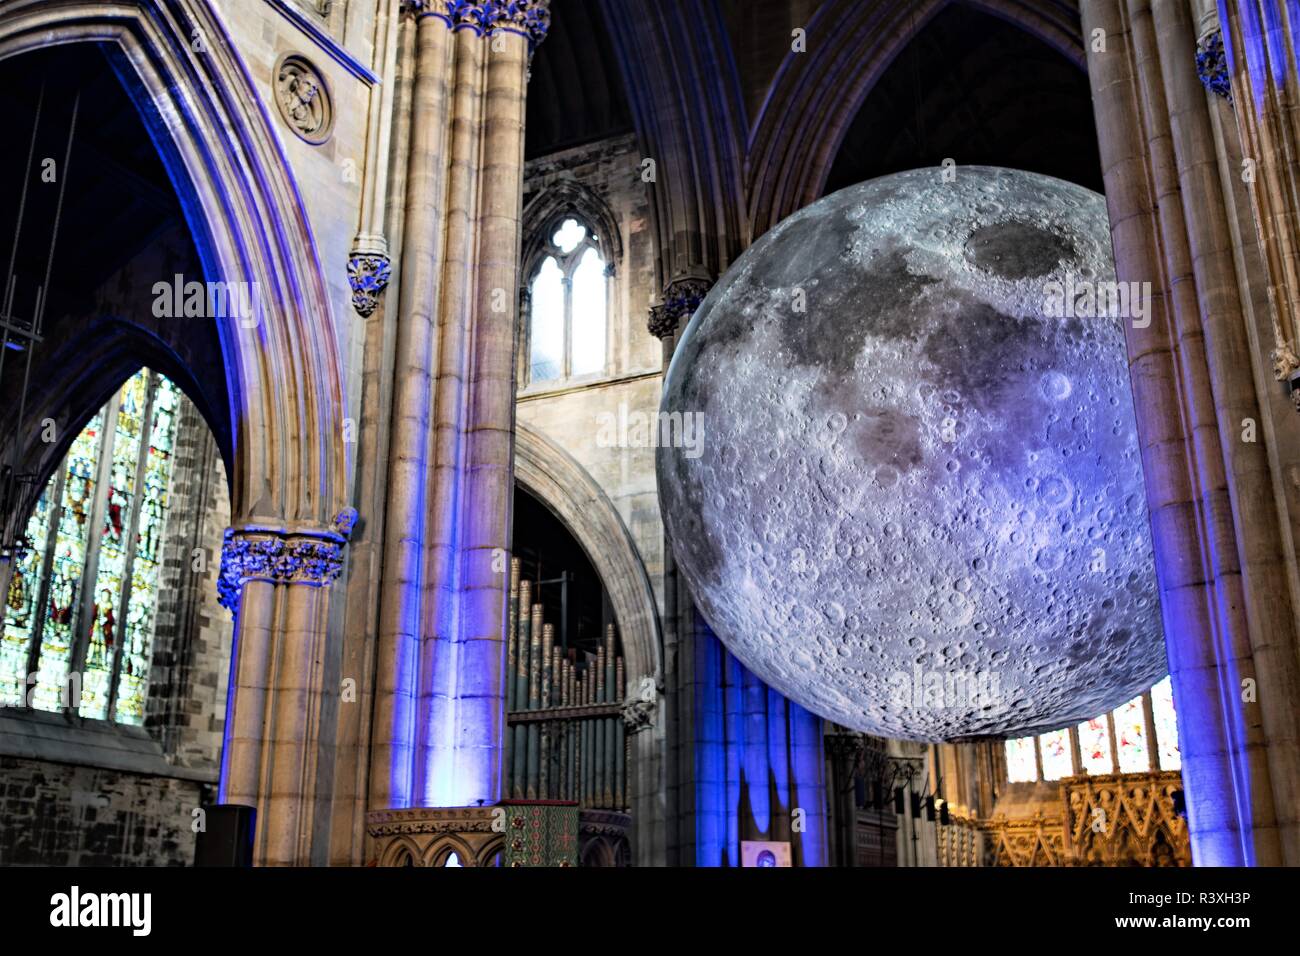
639, 715
426, 836
381, 823
279, 556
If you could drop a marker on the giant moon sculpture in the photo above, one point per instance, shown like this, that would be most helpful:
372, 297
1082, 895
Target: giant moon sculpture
917, 505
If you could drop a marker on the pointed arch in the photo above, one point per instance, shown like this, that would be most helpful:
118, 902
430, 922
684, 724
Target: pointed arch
558, 200
210, 124
553, 477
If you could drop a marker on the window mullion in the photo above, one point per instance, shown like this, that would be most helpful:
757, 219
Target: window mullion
1153, 745
84, 619
568, 322
47, 571
1114, 744
132, 536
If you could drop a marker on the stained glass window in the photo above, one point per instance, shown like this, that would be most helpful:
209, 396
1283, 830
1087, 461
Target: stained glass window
568, 305
1166, 724
1122, 739
1022, 764
67, 643
1094, 746
1131, 737
1055, 748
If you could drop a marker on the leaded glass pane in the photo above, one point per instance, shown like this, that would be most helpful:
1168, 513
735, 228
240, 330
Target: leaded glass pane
1094, 746
108, 630
546, 341
1056, 755
22, 600
70, 540
589, 321
1131, 737
1165, 714
114, 549
1022, 765
137, 644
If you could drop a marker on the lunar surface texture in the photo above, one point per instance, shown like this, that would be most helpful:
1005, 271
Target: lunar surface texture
917, 509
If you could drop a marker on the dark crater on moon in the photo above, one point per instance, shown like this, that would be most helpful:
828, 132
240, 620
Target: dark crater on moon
1017, 250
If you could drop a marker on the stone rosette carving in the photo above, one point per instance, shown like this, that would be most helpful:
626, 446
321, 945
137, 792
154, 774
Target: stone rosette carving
681, 299
278, 556
303, 98
368, 275
1212, 65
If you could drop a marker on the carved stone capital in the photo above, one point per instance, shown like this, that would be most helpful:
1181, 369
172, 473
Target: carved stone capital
368, 275
662, 323
277, 556
681, 298
1212, 65
530, 19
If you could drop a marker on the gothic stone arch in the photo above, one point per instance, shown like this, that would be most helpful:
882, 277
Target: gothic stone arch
248, 223
288, 476
552, 476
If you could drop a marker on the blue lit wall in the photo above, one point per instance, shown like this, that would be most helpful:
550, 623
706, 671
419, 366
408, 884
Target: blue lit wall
758, 760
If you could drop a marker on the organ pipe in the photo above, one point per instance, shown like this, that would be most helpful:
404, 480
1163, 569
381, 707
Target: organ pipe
566, 738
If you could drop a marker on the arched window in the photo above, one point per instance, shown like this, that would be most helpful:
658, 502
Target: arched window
1136, 737
568, 305
80, 598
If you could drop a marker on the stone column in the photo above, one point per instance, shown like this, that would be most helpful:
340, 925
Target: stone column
440, 704
392, 751
277, 580
1259, 40
1223, 562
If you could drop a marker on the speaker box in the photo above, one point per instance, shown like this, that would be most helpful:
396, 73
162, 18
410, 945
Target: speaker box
227, 839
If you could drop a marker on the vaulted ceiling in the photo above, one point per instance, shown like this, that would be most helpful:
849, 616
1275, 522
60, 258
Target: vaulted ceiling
575, 93
982, 91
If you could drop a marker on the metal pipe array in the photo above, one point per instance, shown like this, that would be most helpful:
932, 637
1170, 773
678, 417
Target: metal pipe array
565, 738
